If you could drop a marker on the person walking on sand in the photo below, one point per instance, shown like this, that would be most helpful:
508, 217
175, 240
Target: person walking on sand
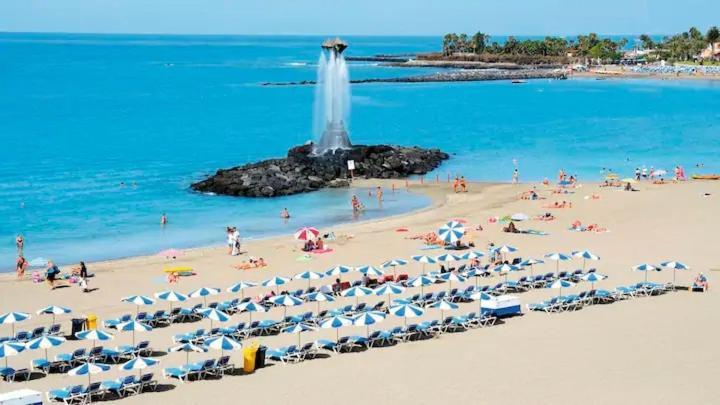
515, 176
230, 242
236, 242
20, 244
456, 184
20, 266
51, 274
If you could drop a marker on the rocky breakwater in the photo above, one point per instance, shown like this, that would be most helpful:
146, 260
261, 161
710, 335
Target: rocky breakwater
301, 172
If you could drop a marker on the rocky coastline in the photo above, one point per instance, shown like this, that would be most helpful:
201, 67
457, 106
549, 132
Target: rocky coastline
301, 172
473, 75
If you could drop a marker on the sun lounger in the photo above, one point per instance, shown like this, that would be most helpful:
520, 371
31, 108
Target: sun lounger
69, 395
146, 382
10, 374
290, 354
122, 387
113, 323
181, 373
72, 359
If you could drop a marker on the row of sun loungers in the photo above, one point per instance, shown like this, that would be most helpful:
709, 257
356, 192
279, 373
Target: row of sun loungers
79, 394
200, 370
23, 336
576, 301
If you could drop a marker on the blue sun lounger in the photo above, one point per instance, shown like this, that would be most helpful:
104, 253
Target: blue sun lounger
67, 395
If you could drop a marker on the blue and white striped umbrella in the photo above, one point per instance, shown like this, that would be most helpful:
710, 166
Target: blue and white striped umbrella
240, 287
505, 249
338, 270
389, 288
585, 255
12, 318
95, 335
481, 296
447, 257
139, 300
319, 296
336, 322
45, 342
187, 348
557, 257
54, 310
394, 263
473, 255
451, 276
443, 305
560, 284
425, 259
214, 314
204, 292
593, 278
406, 311
8, 349
298, 328
357, 291
421, 281
286, 300
134, 326
451, 232
530, 263
138, 363
251, 307
371, 271
89, 369
646, 268
171, 296
368, 318
275, 281
223, 343
506, 268
674, 266
309, 275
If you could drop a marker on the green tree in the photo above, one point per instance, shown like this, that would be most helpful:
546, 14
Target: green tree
478, 42
462, 43
647, 42
511, 45
712, 37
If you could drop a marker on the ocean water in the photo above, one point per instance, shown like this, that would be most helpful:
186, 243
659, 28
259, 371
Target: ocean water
81, 114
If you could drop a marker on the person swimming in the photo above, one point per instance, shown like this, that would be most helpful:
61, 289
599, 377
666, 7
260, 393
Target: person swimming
285, 214
163, 219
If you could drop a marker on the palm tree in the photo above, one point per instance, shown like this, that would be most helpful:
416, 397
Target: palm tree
478, 42
712, 36
646, 41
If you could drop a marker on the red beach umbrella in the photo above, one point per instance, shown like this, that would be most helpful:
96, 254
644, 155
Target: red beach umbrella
306, 233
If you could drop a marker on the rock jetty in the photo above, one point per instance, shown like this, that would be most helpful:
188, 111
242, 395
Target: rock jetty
301, 172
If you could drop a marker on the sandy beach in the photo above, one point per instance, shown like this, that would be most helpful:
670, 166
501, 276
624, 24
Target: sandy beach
654, 350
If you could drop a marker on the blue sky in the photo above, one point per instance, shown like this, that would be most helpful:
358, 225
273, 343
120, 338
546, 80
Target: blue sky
367, 17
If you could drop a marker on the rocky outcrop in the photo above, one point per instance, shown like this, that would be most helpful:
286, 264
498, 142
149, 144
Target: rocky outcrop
301, 172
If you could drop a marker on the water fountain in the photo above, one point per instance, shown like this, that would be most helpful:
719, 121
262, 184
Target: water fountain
332, 99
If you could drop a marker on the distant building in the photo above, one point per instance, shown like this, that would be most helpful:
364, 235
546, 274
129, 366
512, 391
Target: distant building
711, 52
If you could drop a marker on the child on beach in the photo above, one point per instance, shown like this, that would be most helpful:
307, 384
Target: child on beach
20, 266
83, 284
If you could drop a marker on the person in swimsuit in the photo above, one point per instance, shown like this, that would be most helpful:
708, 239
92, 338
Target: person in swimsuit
20, 266
20, 244
51, 274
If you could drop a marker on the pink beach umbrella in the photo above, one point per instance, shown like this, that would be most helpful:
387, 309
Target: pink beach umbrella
306, 233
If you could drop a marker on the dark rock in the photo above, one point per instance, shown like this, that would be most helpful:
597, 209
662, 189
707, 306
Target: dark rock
302, 172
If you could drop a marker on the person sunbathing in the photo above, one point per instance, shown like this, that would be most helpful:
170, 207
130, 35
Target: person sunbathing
701, 282
252, 263
661, 181
545, 217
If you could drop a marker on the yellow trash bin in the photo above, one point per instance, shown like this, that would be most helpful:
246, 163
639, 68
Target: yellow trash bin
249, 358
92, 321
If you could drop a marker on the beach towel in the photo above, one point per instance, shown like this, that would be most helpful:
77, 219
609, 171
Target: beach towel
536, 232
321, 251
304, 258
402, 230
430, 247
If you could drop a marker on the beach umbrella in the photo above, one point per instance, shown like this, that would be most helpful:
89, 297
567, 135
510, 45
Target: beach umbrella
519, 217
54, 310
223, 343
338, 271
138, 363
204, 292
251, 307
370, 271
187, 348
171, 296
306, 233
504, 269
357, 292
421, 281
88, 369
557, 257
275, 282
44, 342
560, 284
593, 278
406, 311
629, 180
585, 255
504, 250
8, 349
450, 277
447, 257
134, 326
336, 322
214, 314
674, 266
658, 172
286, 301
424, 259
645, 268
298, 328
531, 263
168, 253
12, 318
473, 255
138, 300
451, 232
368, 318
389, 289
240, 287
309, 275
94, 335
394, 263
480, 296
443, 306
319, 297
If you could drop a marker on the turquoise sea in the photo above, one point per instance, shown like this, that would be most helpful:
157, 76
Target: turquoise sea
81, 114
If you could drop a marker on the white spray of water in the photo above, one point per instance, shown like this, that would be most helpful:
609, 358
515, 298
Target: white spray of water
331, 110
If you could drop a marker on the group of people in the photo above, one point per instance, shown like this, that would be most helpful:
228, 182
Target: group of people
311, 245
233, 240
460, 185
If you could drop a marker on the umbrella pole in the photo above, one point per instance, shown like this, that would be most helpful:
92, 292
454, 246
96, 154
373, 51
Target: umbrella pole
674, 289
134, 337
250, 313
46, 357
284, 312
531, 270
557, 268
367, 331
337, 334
318, 305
